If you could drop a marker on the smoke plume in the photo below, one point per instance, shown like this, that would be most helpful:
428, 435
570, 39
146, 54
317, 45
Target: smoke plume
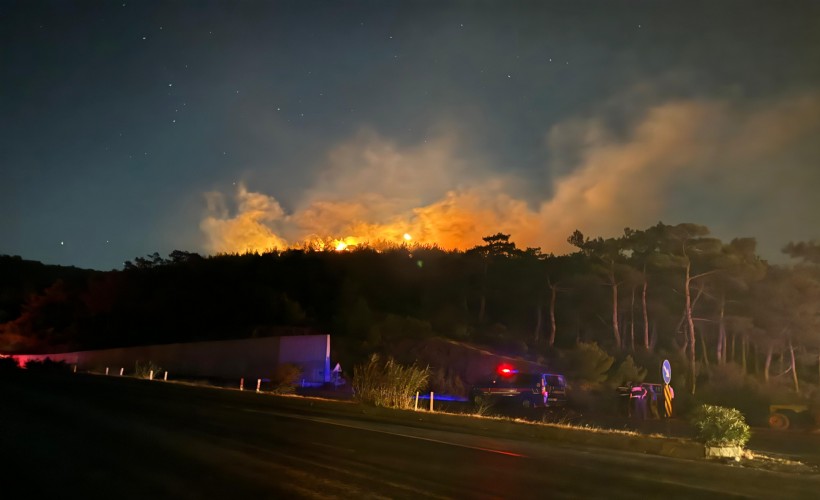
683, 160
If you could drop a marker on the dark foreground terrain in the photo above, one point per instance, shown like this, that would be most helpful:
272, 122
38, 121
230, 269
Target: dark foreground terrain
108, 437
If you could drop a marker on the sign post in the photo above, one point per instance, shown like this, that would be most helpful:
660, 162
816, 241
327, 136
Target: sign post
666, 372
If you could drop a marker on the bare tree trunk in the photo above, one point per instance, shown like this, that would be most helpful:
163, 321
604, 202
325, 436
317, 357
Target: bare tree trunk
743, 353
552, 314
794, 368
482, 309
768, 364
756, 357
691, 329
632, 321
616, 332
725, 348
721, 342
732, 355
704, 350
684, 348
645, 312
681, 328
577, 329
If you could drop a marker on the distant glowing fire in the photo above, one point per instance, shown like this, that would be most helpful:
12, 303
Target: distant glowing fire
371, 191
458, 221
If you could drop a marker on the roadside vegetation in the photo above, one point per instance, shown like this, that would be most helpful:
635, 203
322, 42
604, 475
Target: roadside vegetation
147, 369
8, 365
285, 378
719, 426
739, 331
384, 385
47, 366
388, 384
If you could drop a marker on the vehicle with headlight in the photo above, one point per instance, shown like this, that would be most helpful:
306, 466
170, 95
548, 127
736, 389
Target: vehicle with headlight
530, 390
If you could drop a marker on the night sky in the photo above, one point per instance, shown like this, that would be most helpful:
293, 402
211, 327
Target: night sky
134, 127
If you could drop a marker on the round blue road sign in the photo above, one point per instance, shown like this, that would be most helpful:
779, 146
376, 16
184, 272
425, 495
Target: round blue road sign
666, 371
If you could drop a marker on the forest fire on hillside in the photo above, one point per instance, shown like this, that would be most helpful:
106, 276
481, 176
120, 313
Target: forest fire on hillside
373, 191
458, 221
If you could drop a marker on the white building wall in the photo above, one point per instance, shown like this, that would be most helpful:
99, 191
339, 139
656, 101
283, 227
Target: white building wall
248, 358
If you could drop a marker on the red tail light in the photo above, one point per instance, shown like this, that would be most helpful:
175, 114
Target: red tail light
506, 370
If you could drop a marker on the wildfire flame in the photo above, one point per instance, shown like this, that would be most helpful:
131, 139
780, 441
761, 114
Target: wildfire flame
370, 191
339, 245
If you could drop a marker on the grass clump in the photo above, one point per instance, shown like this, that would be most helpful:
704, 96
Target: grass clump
143, 370
483, 407
285, 378
387, 383
719, 426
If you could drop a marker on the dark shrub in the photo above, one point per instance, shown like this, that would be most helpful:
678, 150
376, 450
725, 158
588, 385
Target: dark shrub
719, 426
285, 378
727, 385
8, 365
47, 366
447, 381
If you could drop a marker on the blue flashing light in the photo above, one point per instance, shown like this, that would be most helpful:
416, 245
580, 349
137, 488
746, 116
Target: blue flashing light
444, 397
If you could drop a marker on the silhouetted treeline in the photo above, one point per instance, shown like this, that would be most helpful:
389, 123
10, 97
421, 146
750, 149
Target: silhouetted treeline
664, 291
20, 279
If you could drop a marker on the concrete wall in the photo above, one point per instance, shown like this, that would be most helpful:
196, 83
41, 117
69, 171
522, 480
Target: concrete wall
311, 352
248, 358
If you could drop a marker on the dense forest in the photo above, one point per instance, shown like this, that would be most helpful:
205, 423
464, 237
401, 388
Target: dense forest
666, 291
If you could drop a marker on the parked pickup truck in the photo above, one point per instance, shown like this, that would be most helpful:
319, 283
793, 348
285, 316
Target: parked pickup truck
527, 389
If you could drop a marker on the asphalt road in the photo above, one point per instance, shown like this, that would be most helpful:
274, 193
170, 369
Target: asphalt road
106, 437
800, 444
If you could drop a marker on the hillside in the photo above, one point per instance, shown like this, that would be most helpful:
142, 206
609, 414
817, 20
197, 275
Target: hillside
666, 291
